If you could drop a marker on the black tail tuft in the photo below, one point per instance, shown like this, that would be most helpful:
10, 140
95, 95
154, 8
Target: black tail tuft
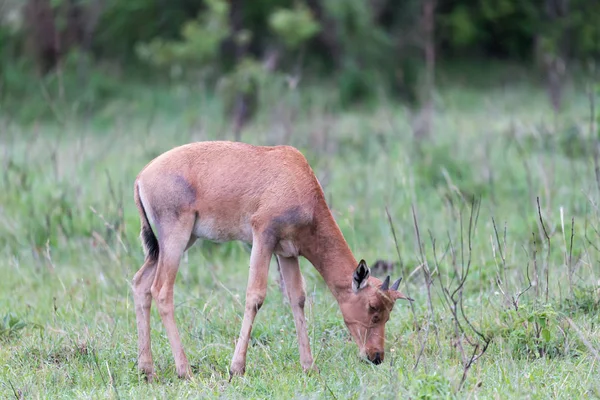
150, 242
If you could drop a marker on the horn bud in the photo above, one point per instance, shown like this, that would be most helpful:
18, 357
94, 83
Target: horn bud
396, 284
386, 284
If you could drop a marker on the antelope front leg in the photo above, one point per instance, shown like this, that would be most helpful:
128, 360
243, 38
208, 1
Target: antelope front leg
255, 296
294, 285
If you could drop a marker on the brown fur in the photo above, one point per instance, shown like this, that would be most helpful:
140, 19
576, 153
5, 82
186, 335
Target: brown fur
265, 196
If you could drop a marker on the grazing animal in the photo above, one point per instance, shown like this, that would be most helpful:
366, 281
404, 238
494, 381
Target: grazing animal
270, 198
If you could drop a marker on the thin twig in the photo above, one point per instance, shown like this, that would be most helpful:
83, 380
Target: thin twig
427, 276
402, 275
594, 137
547, 267
586, 342
516, 303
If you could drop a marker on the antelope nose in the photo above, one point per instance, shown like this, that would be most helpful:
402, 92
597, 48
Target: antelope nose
377, 358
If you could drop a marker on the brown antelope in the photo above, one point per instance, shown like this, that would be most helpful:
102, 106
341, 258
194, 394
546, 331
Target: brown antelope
270, 198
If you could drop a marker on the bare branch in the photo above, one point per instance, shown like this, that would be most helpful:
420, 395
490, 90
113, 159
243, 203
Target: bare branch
547, 267
428, 281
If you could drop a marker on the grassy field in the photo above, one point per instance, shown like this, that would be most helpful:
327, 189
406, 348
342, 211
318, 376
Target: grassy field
530, 275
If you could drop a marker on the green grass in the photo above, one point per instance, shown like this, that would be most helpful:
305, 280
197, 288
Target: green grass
69, 247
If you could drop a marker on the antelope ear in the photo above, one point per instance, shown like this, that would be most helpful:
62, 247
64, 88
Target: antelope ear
399, 295
360, 276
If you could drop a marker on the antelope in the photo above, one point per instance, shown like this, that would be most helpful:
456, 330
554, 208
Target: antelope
267, 197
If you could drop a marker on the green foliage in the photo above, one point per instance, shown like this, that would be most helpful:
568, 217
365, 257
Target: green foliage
59, 95
10, 325
247, 76
534, 331
356, 83
585, 299
294, 26
123, 25
56, 216
448, 174
570, 139
200, 41
432, 386
462, 25
367, 47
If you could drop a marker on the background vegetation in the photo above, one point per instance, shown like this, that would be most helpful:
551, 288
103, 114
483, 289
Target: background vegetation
457, 139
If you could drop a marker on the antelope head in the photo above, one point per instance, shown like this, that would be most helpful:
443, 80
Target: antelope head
367, 309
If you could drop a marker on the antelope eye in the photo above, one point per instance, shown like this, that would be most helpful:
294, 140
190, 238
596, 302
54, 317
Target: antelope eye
372, 309
375, 319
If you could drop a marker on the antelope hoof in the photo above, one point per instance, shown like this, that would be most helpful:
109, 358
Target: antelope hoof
148, 372
236, 370
184, 373
310, 369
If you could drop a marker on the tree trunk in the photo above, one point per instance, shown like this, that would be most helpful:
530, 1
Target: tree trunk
423, 122
327, 36
241, 114
47, 42
42, 36
554, 58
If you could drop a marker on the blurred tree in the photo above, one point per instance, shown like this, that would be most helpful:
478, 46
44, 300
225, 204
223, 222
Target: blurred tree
55, 27
423, 123
363, 45
218, 33
294, 26
198, 45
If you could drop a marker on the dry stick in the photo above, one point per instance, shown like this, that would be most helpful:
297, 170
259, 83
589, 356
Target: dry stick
452, 303
498, 282
437, 262
474, 357
464, 278
446, 297
457, 301
594, 137
17, 393
589, 262
412, 306
504, 258
461, 280
589, 241
548, 253
528, 174
585, 228
465, 273
516, 302
513, 299
535, 267
451, 245
428, 281
586, 342
570, 259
